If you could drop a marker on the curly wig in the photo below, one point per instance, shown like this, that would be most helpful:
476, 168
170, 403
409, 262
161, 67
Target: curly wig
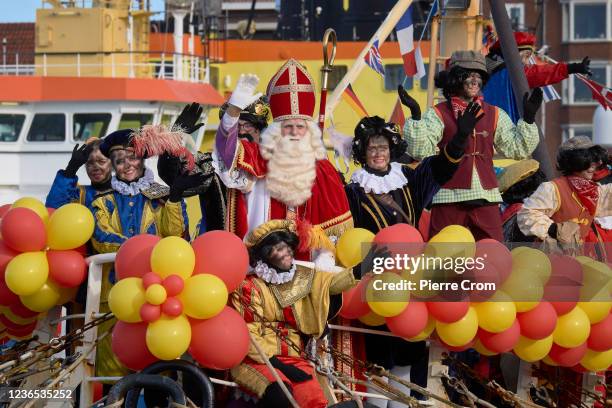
261, 251
572, 161
451, 82
375, 126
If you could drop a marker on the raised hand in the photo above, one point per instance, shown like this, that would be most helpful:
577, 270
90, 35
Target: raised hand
244, 93
531, 104
79, 157
466, 121
409, 102
189, 117
583, 67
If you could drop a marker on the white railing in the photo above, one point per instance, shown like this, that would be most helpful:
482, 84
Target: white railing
193, 68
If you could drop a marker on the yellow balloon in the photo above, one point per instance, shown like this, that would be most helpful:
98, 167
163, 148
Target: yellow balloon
155, 294
522, 287
35, 205
173, 256
169, 338
126, 298
479, 347
533, 350
43, 299
372, 319
597, 360
496, 315
596, 311
572, 329
452, 241
385, 294
596, 280
66, 295
70, 226
426, 332
532, 260
27, 272
423, 274
204, 296
550, 361
522, 307
353, 246
461, 332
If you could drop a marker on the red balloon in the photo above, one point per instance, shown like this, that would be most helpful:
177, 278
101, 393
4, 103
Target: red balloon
67, 268
567, 357
220, 343
563, 286
7, 297
173, 284
19, 309
538, 322
23, 230
172, 307
448, 312
457, 348
353, 301
134, 256
410, 322
222, 254
495, 254
4, 209
129, 344
23, 332
6, 254
400, 239
579, 368
489, 274
501, 342
150, 313
150, 278
25, 328
600, 338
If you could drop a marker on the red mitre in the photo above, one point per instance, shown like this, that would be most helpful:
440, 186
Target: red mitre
524, 41
291, 92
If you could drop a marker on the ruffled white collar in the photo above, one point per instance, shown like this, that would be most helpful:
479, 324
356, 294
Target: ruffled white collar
135, 187
271, 275
372, 183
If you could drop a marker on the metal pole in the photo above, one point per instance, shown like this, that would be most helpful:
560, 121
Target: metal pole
517, 75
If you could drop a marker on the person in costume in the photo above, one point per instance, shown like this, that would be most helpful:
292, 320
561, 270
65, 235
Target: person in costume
517, 182
287, 175
471, 196
295, 297
252, 120
65, 188
498, 90
382, 193
211, 193
560, 212
135, 205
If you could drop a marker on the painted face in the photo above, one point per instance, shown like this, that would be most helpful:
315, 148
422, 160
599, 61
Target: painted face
246, 129
378, 154
281, 256
98, 167
127, 166
588, 173
294, 129
472, 85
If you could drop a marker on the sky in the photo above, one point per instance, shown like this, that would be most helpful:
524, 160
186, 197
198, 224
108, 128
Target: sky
15, 11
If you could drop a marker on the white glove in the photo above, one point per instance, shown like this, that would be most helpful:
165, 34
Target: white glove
244, 93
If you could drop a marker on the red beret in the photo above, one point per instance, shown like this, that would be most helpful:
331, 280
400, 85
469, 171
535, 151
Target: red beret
523, 39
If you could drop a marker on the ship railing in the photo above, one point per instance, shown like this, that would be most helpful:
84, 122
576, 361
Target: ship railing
150, 64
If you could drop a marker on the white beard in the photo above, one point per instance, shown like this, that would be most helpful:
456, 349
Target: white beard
291, 165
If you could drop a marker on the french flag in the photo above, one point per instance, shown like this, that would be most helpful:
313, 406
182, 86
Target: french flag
413, 61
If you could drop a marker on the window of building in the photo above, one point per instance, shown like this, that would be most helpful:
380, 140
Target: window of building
10, 127
588, 20
573, 130
516, 12
335, 76
86, 125
394, 76
48, 127
579, 93
135, 120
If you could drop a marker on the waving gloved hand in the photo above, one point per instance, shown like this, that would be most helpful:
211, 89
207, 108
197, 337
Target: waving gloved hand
531, 104
294, 374
79, 157
376, 251
189, 117
583, 67
244, 93
184, 182
409, 102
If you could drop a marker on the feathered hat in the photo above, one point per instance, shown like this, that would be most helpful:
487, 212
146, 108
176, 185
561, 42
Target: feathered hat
310, 237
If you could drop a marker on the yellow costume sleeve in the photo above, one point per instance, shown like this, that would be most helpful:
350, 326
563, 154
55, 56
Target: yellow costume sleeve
173, 219
107, 236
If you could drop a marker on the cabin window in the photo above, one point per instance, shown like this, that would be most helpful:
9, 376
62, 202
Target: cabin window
394, 76
135, 120
10, 127
48, 127
86, 125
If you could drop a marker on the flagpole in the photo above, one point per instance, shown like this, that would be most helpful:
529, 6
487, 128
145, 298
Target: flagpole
381, 34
